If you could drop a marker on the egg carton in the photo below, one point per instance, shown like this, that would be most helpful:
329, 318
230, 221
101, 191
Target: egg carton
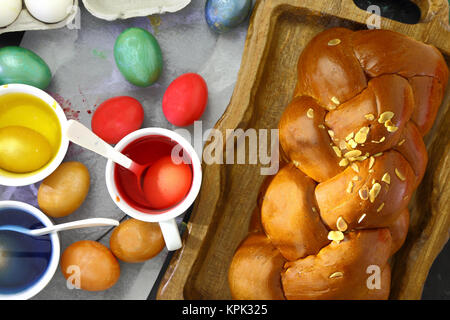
25, 21
119, 9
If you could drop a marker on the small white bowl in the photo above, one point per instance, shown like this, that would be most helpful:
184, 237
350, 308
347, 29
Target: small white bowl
30, 178
54, 260
165, 218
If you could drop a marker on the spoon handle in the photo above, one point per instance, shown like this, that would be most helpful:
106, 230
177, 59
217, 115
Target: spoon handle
94, 222
79, 134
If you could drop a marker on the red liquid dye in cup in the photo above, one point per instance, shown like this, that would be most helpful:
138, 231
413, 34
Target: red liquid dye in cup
145, 150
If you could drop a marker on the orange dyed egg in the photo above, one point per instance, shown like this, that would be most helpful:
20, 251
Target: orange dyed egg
136, 241
90, 265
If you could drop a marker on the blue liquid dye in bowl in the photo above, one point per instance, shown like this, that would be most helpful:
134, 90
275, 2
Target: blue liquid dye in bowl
23, 259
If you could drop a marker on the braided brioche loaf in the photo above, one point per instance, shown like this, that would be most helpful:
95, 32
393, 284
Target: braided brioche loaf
352, 140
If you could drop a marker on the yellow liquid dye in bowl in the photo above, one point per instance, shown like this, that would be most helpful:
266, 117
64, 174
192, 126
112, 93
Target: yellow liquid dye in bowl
26, 110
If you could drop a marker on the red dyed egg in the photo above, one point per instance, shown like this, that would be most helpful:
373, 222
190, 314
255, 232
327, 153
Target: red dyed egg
117, 117
166, 183
185, 99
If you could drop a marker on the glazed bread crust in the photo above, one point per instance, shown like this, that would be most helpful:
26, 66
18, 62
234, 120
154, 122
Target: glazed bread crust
353, 139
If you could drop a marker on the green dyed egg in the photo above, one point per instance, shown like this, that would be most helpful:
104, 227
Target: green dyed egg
20, 65
138, 56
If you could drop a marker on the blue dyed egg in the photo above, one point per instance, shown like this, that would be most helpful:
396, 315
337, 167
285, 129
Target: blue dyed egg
223, 15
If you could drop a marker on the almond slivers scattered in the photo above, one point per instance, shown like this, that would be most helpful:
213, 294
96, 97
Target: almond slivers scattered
379, 141
350, 187
392, 128
363, 193
371, 162
337, 274
337, 151
374, 191
378, 154
335, 100
362, 218
400, 175
352, 144
336, 236
386, 178
352, 154
343, 163
341, 225
361, 135
385, 116
334, 42
349, 136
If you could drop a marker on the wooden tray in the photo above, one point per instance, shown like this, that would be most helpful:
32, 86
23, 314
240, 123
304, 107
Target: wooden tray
278, 31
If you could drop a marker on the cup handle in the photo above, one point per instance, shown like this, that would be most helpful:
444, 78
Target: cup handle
171, 234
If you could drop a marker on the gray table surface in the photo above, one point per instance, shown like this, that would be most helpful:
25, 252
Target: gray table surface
85, 74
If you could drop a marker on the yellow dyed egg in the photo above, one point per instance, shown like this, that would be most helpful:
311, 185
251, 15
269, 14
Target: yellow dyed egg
23, 150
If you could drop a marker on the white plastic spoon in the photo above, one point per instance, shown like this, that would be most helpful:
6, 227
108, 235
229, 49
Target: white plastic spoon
81, 135
94, 222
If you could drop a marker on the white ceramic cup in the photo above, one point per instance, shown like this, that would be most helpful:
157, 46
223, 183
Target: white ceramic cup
27, 179
166, 219
54, 260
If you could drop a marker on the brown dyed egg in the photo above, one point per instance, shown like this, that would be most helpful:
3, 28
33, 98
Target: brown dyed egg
64, 190
91, 265
136, 241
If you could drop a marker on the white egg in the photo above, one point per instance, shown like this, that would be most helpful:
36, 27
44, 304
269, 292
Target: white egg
10, 10
49, 11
